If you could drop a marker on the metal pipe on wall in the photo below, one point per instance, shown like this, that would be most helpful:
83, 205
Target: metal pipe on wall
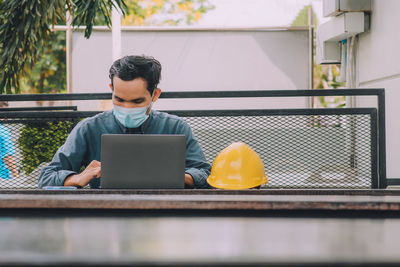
68, 53
116, 33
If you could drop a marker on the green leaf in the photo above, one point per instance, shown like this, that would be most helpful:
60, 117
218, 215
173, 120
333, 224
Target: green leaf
25, 31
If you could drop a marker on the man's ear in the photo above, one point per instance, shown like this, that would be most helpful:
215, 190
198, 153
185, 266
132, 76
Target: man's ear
111, 87
156, 94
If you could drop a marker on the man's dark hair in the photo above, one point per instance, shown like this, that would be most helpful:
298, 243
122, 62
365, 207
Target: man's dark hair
131, 67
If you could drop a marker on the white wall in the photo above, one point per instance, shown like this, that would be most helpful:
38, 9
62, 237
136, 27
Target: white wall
378, 66
203, 60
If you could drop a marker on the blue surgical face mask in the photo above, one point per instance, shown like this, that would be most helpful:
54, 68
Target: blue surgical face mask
131, 117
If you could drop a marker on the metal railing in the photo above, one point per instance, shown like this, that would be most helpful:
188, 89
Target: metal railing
300, 148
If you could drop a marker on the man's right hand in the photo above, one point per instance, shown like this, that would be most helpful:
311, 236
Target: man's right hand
93, 170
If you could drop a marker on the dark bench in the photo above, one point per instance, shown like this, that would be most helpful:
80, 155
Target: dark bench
300, 148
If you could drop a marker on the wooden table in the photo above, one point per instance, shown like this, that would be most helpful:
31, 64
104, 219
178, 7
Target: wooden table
202, 227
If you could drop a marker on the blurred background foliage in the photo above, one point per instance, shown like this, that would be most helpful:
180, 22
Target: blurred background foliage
48, 74
25, 32
165, 12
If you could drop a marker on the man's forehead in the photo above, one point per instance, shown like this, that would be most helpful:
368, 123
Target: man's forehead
136, 86
141, 80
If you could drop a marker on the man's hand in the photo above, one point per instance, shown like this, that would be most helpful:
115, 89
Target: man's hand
189, 183
93, 170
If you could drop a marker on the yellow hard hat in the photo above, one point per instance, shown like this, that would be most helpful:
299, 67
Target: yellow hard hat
237, 167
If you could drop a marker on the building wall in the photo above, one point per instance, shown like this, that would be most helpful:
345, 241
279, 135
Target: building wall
377, 62
203, 60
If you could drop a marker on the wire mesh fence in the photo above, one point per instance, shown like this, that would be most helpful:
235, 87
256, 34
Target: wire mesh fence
299, 148
28, 142
298, 151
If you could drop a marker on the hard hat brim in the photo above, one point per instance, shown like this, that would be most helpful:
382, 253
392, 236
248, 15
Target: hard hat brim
216, 183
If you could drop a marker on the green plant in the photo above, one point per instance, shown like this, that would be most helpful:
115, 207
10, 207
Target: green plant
25, 28
39, 142
326, 78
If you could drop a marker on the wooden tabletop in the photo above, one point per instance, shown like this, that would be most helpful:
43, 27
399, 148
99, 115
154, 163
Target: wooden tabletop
369, 200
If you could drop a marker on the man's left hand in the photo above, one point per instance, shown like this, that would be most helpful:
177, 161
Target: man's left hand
189, 182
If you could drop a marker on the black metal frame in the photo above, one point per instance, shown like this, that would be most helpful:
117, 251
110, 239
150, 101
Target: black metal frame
75, 108
47, 114
379, 93
272, 112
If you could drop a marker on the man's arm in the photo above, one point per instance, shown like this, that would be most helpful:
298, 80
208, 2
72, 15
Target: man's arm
197, 167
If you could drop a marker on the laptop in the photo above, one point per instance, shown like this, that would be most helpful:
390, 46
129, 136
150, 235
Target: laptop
132, 161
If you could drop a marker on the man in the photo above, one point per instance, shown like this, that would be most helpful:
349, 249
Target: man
134, 81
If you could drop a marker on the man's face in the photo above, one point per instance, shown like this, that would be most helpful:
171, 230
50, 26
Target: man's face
132, 94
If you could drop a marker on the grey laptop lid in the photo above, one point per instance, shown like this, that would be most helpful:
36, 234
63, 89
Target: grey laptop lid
130, 161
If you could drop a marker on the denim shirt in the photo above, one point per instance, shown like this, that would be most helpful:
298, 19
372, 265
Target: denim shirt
84, 144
